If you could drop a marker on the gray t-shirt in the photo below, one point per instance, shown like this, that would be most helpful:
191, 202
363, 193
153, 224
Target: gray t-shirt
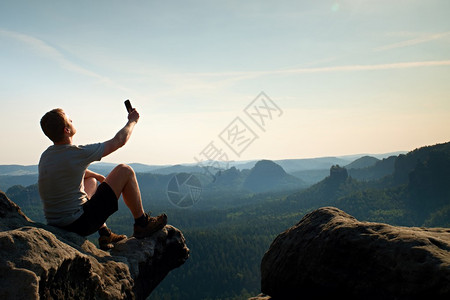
61, 185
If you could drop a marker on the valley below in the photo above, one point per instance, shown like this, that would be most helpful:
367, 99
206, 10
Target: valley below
230, 217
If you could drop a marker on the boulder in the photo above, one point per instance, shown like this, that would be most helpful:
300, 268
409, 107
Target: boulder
331, 254
38, 261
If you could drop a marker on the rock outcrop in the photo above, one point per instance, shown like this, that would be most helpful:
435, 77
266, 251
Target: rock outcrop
338, 174
331, 254
38, 261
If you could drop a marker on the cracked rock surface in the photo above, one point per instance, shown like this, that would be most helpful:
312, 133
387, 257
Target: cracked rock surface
38, 261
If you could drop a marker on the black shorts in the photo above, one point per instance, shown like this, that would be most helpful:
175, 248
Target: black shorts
102, 205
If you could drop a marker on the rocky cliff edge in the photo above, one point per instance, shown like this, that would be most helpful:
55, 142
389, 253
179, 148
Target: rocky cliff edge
330, 254
38, 261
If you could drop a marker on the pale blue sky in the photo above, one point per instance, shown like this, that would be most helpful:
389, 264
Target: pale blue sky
349, 77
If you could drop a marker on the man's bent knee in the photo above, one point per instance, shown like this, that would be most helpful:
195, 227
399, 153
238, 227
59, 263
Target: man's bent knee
124, 170
121, 173
119, 177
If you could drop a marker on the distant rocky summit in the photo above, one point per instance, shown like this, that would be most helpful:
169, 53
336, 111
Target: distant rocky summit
330, 254
38, 261
268, 176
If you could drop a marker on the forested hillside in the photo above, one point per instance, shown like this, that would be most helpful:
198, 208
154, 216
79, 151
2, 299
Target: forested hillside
417, 193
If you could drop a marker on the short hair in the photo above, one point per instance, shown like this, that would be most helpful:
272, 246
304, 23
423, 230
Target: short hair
53, 124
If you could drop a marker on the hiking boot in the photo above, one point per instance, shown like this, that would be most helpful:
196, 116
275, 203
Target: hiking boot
107, 242
154, 224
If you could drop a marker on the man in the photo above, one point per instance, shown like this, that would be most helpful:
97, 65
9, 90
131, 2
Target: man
69, 191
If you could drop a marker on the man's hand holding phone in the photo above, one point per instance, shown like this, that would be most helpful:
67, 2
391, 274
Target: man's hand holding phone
133, 115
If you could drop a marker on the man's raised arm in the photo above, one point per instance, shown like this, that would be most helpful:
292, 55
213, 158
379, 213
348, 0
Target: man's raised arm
123, 135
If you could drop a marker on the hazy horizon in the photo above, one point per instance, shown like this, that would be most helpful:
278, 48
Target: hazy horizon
350, 157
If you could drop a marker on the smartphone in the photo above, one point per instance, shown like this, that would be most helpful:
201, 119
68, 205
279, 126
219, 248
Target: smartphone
128, 105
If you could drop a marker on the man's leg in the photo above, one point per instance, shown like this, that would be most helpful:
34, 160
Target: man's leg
122, 181
107, 237
90, 186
